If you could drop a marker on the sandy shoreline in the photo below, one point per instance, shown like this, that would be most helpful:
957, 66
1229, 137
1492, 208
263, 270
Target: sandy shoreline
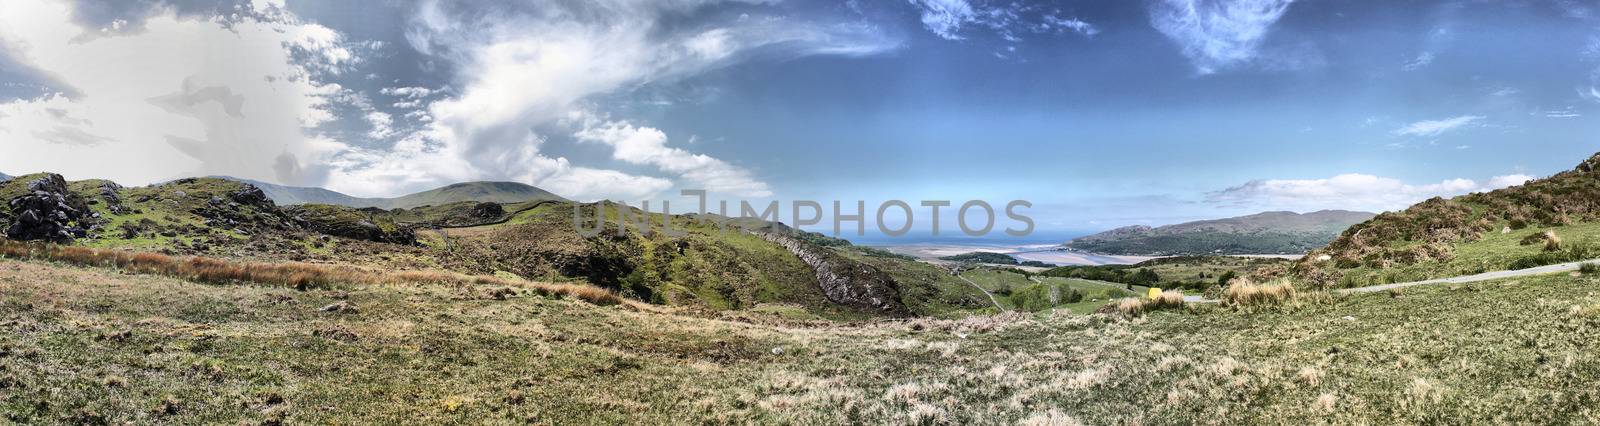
1040, 252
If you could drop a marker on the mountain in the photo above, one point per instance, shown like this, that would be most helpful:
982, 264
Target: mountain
495, 192
1276, 232
1541, 222
4, 177
293, 195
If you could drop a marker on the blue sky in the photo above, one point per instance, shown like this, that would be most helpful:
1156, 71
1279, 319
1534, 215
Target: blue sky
1102, 113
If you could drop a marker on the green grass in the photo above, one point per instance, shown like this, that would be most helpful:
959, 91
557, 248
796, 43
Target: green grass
1020, 292
926, 290
86, 345
1496, 251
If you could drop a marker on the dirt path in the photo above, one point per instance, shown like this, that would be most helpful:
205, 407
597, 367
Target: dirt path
985, 292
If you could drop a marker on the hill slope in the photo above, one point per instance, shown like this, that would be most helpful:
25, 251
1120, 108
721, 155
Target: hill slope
292, 195
90, 345
493, 192
1261, 233
1473, 233
4, 176
717, 265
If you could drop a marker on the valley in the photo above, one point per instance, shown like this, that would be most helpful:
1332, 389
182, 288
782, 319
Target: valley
203, 300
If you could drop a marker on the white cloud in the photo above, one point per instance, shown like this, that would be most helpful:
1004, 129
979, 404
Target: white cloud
1422, 60
945, 18
1508, 180
648, 146
382, 125
1351, 191
1568, 112
1431, 128
1217, 34
180, 97
407, 92
522, 70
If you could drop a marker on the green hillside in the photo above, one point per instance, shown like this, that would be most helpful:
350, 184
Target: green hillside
1497, 230
716, 264
1262, 233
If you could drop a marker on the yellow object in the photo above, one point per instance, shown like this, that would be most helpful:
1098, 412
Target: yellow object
1155, 293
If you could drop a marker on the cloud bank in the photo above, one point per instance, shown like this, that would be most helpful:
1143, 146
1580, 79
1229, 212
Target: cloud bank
173, 97
1349, 191
522, 69
248, 93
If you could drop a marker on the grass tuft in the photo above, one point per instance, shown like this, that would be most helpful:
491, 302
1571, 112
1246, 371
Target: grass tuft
1244, 292
1133, 307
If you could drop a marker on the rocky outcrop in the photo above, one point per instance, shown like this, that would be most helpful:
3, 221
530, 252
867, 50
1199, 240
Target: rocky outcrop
488, 210
371, 224
109, 194
46, 212
843, 281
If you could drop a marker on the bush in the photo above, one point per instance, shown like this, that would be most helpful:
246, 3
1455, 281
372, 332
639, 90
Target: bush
1589, 268
1552, 242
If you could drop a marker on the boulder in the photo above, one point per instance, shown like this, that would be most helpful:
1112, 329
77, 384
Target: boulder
844, 281
46, 212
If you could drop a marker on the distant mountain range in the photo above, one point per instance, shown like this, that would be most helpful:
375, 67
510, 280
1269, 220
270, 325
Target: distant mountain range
1262, 233
498, 192
4, 177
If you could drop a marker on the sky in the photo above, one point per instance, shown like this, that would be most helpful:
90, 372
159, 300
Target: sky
1099, 113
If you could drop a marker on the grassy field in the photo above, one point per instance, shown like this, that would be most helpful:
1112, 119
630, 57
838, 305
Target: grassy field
1496, 251
1021, 292
89, 345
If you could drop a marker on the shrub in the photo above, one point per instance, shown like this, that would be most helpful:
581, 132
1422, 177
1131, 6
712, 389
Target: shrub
1244, 292
1589, 268
1551, 241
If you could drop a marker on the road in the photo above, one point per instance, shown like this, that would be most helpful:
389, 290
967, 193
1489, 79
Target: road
1486, 276
1547, 269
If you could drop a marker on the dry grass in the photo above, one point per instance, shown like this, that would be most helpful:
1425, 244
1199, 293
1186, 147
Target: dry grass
1244, 292
1133, 307
300, 276
1168, 299
1551, 241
